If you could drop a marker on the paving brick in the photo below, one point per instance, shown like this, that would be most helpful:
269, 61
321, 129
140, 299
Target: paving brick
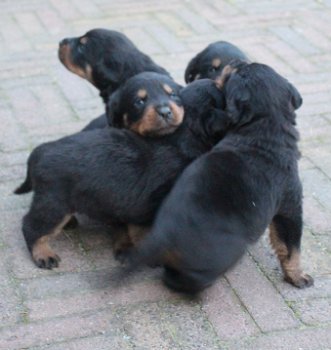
318, 38
97, 300
307, 339
55, 284
295, 40
168, 326
298, 62
85, 7
42, 333
315, 182
101, 342
73, 87
226, 313
315, 216
261, 54
313, 311
198, 24
147, 43
51, 20
172, 22
30, 23
66, 9
12, 136
13, 36
166, 38
269, 311
11, 309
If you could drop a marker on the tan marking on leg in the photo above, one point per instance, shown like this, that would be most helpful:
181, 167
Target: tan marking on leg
290, 262
42, 254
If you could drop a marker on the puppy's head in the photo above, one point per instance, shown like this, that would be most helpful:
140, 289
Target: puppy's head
204, 106
148, 104
256, 90
210, 62
105, 58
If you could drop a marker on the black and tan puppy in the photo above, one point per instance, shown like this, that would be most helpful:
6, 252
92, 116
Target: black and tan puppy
116, 175
228, 197
105, 58
210, 62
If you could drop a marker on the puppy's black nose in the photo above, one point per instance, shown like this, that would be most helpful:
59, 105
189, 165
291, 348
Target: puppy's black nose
164, 111
64, 42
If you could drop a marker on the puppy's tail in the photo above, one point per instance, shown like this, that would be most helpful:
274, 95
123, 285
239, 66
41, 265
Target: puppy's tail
26, 186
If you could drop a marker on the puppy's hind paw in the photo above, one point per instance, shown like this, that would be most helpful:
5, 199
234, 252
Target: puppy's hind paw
122, 256
301, 281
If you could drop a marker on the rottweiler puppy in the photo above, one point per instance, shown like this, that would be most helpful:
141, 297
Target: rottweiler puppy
209, 62
117, 175
105, 58
227, 198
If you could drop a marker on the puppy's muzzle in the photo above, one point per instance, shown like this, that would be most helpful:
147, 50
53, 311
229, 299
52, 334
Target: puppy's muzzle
64, 42
165, 112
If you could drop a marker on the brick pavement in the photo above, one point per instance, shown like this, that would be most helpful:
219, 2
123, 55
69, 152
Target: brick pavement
75, 306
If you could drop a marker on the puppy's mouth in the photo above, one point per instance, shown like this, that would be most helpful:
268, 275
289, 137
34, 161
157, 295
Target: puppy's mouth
65, 56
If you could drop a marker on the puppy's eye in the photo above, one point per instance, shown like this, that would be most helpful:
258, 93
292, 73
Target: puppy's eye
139, 103
213, 69
81, 48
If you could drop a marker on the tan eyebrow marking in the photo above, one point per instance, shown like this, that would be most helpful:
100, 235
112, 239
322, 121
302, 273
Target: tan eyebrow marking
83, 40
167, 88
142, 93
216, 62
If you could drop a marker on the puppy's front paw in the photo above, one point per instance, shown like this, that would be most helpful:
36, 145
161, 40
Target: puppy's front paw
44, 257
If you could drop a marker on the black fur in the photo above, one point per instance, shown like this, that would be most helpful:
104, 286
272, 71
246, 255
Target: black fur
116, 175
226, 199
201, 66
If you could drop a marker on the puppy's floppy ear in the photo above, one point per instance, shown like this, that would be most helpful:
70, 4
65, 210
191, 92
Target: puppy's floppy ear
295, 97
190, 70
114, 117
238, 105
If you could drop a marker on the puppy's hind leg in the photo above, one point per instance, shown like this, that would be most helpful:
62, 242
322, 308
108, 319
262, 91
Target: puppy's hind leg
44, 220
285, 238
